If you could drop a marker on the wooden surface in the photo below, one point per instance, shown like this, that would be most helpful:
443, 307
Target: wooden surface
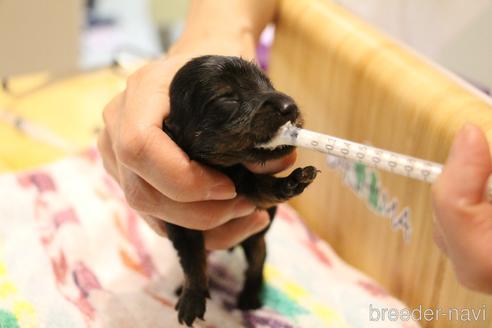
354, 83
70, 107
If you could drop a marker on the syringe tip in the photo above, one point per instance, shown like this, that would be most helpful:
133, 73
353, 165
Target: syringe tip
282, 137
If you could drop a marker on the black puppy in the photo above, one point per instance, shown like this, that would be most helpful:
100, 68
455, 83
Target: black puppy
221, 108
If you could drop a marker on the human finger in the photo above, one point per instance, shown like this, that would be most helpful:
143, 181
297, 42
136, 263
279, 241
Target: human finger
201, 215
439, 238
273, 166
235, 231
467, 169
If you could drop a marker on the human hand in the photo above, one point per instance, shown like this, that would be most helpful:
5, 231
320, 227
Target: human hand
157, 177
463, 217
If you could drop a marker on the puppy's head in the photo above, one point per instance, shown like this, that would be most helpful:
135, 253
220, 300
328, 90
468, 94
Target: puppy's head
222, 107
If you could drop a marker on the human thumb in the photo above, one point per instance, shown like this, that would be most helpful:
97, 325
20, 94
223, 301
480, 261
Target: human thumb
468, 166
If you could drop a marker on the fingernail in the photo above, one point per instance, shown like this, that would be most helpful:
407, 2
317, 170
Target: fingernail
243, 207
222, 191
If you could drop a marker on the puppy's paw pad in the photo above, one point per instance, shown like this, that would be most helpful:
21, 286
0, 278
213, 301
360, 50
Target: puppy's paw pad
249, 301
306, 175
299, 179
191, 305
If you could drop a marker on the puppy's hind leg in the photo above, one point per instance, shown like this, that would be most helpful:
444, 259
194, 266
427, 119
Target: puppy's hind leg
255, 251
193, 258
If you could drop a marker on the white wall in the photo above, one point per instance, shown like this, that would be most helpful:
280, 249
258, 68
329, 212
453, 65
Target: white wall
39, 35
454, 33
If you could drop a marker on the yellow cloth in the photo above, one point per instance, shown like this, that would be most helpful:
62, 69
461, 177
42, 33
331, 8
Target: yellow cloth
70, 107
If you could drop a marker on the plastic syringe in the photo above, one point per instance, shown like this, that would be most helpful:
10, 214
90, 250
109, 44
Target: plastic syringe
411, 167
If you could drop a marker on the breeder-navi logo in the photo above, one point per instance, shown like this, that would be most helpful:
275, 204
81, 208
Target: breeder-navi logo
365, 182
428, 314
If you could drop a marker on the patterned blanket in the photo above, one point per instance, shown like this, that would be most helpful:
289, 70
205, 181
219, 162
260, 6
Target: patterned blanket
73, 254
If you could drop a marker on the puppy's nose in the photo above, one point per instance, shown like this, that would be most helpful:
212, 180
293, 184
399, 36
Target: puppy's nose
283, 105
288, 108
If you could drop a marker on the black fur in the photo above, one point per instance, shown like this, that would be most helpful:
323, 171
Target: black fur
221, 107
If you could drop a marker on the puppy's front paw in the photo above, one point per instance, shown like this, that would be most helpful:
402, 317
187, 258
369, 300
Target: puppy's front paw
297, 181
249, 299
191, 305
